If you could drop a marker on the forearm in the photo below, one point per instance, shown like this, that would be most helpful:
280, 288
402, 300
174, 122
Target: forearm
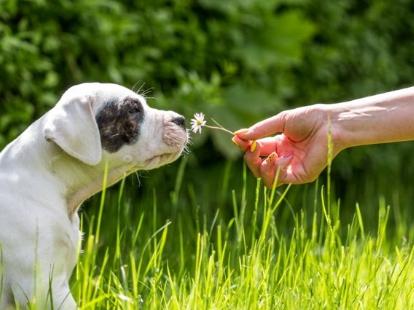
383, 118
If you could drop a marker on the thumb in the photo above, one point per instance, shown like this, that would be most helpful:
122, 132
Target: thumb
267, 127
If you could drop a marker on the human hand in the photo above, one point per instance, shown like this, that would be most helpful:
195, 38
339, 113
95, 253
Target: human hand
299, 151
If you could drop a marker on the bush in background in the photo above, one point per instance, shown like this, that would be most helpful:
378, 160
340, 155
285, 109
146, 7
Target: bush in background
230, 59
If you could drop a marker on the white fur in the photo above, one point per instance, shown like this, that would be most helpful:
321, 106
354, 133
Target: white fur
48, 171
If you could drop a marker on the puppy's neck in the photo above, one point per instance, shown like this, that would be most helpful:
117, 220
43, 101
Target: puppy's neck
81, 181
77, 195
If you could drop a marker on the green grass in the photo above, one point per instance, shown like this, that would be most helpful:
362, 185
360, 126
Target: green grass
254, 259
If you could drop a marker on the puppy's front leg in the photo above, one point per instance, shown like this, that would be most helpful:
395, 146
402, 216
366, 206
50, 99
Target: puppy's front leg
43, 292
37, 269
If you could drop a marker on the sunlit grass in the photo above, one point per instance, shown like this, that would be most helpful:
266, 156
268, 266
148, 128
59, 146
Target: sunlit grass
249, 262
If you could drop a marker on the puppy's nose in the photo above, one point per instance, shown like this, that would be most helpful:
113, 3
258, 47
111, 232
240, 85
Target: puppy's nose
179, 120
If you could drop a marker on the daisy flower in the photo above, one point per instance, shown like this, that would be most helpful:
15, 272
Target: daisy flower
198, 122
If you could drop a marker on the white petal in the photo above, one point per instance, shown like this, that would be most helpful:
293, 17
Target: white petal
199, 117
195, 128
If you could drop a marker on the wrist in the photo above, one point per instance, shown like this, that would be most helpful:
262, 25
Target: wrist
334, 127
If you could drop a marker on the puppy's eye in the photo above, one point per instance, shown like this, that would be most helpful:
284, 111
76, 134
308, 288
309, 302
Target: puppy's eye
131, 106
133, 110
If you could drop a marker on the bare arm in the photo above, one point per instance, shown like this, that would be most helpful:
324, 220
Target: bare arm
383, 118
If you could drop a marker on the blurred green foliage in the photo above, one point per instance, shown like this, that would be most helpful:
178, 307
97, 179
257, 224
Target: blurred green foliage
229, 59
237, 61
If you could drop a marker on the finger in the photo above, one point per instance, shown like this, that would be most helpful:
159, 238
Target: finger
283, 161
242, 144
269, 145
267, 127
273, 169
268, 170
253, 160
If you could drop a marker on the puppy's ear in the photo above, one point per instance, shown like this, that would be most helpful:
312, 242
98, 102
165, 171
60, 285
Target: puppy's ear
72, 126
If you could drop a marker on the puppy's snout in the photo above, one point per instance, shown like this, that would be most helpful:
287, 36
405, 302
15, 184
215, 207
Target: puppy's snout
179, 120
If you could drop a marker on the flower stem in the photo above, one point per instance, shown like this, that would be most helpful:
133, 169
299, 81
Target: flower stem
220, 128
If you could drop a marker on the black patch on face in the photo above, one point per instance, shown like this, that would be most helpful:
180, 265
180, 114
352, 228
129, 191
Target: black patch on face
120, 124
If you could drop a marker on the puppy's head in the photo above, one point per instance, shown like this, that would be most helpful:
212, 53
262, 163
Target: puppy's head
96, 122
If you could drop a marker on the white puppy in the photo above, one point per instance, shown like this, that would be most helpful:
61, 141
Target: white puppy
57, 163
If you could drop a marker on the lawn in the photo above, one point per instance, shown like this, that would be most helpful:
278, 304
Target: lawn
265, 256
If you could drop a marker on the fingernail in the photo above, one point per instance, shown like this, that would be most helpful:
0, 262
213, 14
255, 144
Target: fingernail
241, 131
233, 140
253, 146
